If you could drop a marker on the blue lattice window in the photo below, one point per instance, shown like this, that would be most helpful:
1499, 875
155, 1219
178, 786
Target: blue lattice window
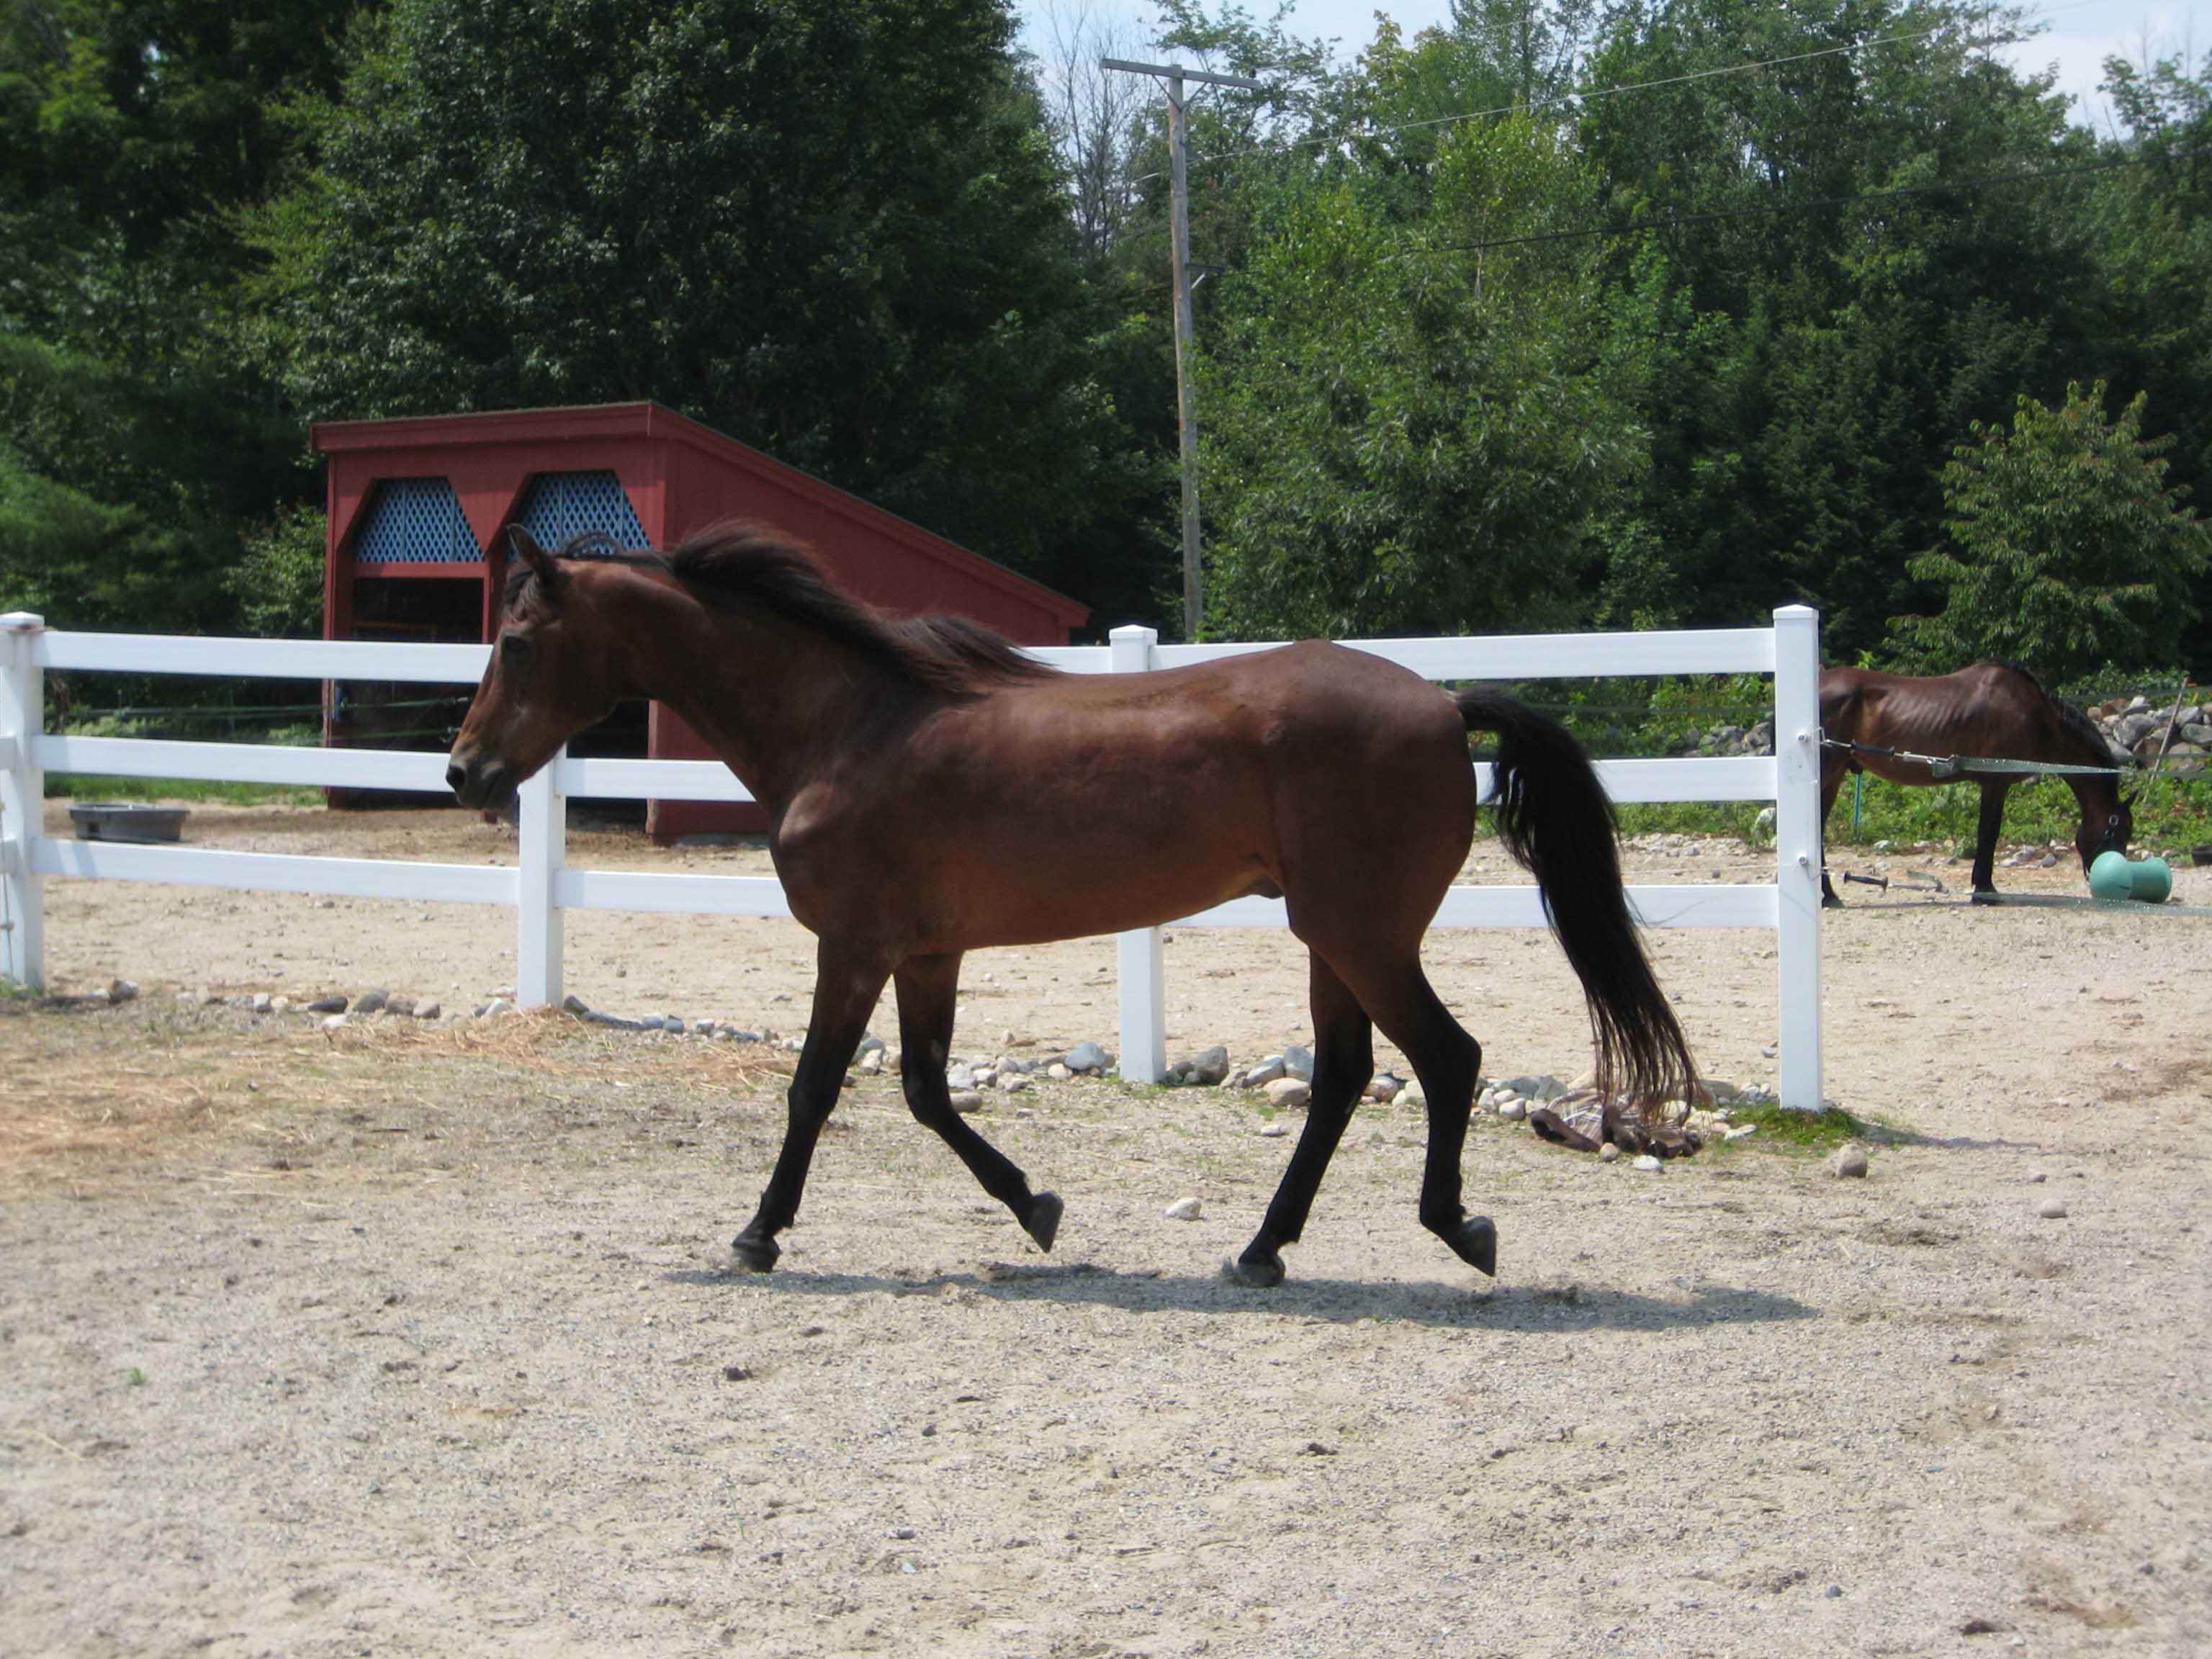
415, 522
563, 505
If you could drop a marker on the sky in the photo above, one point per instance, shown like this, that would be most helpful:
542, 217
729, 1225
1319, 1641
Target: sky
2080, 34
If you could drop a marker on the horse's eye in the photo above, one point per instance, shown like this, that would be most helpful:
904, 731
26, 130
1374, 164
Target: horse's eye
514, 649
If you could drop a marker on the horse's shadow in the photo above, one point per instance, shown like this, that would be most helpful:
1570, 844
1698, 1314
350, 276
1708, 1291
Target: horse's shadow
1550, 1307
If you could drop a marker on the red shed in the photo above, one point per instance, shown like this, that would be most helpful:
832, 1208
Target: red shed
417, 509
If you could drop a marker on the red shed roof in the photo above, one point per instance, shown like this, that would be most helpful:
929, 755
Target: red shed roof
428, 435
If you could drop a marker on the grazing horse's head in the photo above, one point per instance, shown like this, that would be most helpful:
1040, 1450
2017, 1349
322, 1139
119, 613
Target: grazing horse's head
2106, 826
549, 677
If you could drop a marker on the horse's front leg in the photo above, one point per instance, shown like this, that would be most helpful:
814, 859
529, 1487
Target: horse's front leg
1344, 1061
929, 988
846, 986
1985, 841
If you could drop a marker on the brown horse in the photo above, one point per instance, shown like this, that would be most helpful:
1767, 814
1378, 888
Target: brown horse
1990, 711
880, 749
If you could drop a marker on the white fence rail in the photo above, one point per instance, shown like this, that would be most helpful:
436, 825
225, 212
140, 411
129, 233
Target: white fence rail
540, 887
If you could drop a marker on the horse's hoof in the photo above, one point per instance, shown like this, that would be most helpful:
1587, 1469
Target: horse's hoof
1043, 1224
1983, 896
1258, 1270
755, 1252
1474, 1242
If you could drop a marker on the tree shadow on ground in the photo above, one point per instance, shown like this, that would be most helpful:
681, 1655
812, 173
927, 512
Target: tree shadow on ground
1550, 1307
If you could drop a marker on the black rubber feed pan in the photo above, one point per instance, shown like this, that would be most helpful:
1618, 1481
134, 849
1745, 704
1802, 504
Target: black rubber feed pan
116, 820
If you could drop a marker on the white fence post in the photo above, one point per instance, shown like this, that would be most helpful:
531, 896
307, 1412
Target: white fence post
1797, 850
545, 849
1143, 984
22, 802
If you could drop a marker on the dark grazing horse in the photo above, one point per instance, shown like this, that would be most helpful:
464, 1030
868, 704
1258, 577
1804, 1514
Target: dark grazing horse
1990, 711
878, 747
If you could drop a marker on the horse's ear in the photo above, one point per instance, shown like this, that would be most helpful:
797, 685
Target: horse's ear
525, 547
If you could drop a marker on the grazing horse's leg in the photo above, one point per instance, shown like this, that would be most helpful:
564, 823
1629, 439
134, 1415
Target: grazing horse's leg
1343, 1060
928, 987
845, 993
1833, 769
1985, 840
1447, 1060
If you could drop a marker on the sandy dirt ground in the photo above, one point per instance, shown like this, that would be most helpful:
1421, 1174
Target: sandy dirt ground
411, 1340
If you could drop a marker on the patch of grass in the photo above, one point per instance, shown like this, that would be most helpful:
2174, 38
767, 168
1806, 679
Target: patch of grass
134, 1378
88, 787
1799, 1132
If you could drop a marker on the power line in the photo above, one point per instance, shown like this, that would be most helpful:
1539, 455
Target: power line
1591, 95
1673, 220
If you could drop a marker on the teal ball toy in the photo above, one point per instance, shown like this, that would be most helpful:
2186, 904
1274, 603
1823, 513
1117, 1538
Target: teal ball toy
2111, 876
2150, 880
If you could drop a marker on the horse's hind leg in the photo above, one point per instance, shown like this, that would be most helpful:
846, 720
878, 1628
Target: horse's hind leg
1833, 768
1985, 841
927, 988
845, 992
1343, 1060
1447, 1060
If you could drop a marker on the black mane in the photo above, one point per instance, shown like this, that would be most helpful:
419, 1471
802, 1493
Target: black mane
745, 563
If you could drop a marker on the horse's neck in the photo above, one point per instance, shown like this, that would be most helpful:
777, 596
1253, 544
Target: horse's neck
772, 698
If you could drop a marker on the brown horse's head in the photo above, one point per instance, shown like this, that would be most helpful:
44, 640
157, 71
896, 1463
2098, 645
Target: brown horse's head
2107, 825
548, 679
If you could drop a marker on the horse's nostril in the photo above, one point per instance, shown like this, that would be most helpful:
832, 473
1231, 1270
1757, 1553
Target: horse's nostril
455, 777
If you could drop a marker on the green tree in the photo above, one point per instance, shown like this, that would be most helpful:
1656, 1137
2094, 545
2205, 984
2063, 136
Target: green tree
1410, 432
134, 441
2069, 550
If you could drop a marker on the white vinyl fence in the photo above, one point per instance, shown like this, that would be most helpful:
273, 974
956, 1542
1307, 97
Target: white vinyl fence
541, 887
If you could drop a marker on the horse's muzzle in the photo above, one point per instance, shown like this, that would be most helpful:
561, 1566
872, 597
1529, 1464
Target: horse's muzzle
481, 785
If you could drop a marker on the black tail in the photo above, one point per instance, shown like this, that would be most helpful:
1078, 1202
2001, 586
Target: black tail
1554, 817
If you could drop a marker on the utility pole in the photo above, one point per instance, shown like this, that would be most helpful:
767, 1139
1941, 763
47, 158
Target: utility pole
1179, 246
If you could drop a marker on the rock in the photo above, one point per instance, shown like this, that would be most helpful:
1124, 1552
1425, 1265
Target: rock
870, 1044
1528, 1088
1410, 1094
1289, 1093
1013, 1082
370, 1002
335, 1023
1512, 1111
959, 1077
872, 1063
428, 1011
1058, 1072
1299, 1063
1741, 1132
1184, 1209
332, 1003
1086, 1058
967, 1101
1850, 1163
703, 1028
1384, 1089
1608, 1153
2052, 1209
1176, 1075
1207, 1071
259, 1002
1648, 1162
122, 990
1266, 1072
495, 1007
